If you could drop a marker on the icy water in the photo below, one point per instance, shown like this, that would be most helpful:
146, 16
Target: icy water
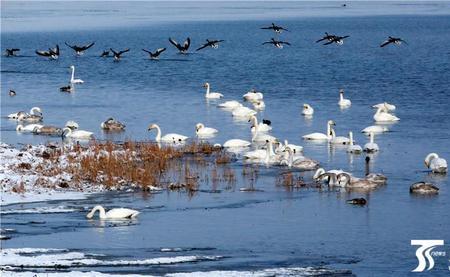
299, 232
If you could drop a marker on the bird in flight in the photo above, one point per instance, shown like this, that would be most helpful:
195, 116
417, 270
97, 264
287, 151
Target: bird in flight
11, 52
393, 40
52, 53
210, 43
277, 43
275, 28
336, 39
105, 53
181, 48
155, 55
326, 37
79, 50
118, 54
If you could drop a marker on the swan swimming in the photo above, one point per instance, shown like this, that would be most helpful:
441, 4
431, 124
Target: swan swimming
436, 164
296, 148
175, 138
320, 175
262, 155
76, 134
211, 95
236, 143
232, 104
72, 80
33, 111
386, 105
307, 110
371, 146
203, 131
423, 188
27, 128
302, 163
376, 129
112, 125
321, 136
353, 148
72, 125
243, 112
48, 130
262, 126
253, 95
349, 181
118, 213
343, 103
382, 115
338, 140
259, 105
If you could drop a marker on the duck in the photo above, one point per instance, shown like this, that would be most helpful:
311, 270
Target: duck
68, 88
117, 213
423, 188
169, 138
382, 115
211, 95
376, 129
232, 104
388, 107
79, 50
275, 28
214, 44
112, 125
435, 163
338, 140
181, 48
118, 54
336, 39
52, 53
27, 128
264, 126
353, 148
259, 105
277, 43
48, 130
11, 52
321, 136
396, 41
327, 36
302, 163
253, 95
236, 143
33, 111
12, 93
72, 79
76, 134
357, 201
343, 103
371, 146
203, 131
243, 112
307, 110
154, 55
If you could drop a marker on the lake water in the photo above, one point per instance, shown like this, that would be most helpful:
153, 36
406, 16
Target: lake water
297, 231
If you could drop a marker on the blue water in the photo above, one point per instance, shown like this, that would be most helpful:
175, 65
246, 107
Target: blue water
273, 228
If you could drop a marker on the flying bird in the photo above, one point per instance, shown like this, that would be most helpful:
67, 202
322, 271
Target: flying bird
10, 52
277, 43
326, 37
336, 39
390, 40
210, 43
105, 54
118, 54
52, 53
275, 28
79, 50
182, 48
155, 55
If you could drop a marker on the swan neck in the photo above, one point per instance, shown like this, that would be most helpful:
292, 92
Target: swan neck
73, 74
371, 138
158, 133
351, 138
207, 90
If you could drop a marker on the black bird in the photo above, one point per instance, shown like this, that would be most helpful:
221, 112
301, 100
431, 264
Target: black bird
155, 55
326, 37
275, 28
336, 39
390, 40
357, 201
68, 88
10, 52
182, 48
12, 92
105, 54
266, 121
79, 50
52, 53
277, 43
117, 54
210, 43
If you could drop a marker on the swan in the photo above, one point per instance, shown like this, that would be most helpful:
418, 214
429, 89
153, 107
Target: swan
262, 126
423, 188
72, 80
27, 128
296, 148
321, 136
253, 95
331, 179
211, 95
307, 110
32, 118
236, 143
382, 115
302, 163
112, 125
262, 155
48, 130
343, 103
33, 111
349, 181
72, 125
258, 137
387, 106
166, 138
232, 104
374, 177
243, 112
338, 140
118, 213
376, 129
76, 134
436, 164
353, 148
203, 131
259, 105
371, 146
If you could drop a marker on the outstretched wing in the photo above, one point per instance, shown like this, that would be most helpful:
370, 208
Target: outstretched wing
267, 28
147, 51
88, 46
322, 39
174, 43
124, 51
71, 46
115, 53
344, 37
386, 43
160, 50
284, 29
203, 46
285, 42
187, 43
42, 53
17, 49
329, 42
403, 41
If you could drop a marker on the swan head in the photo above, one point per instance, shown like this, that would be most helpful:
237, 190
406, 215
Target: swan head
206, 85
72, 125
318, 173
306, 106
429, 158
344, 177
199, 126
152, 126
65, 132
331, 123
36, 110
341, 91
72, 67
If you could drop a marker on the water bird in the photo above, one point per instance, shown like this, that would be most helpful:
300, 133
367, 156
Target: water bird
243, 112
203, 131
72, 125
386, 106
353, 148
12, 93
396, 41
211, 95
336, 39
275, 28
338, 139
320, 175
104, 54
232, 104
382, 115
423, 188
68, 88
321, 136
52, 53
48, 130
33, 111
302, 163
346, 180
155, 55
210, 43
374, 177
343, 103
76, 134
259, 105
236, 143
10, 52
174, 138
181, 48
307, 110
297, 149
27, 128
357, 201
435, 163
117, 213
253, 95
72, 78
376, 129
79, 50
277, 43
371, 146
264, 126
117, 55
112, 125
326, 37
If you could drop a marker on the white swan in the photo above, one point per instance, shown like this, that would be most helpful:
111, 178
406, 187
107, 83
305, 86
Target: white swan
436, 164
353, 148
27, 128
262, 126
33, 111
243, 112
232, 104
302, 162
376, 129
175, 138
203, 131
343, 103
261, 137
383, 116
72, 125
253, 95
297, 149
259, 105
77, 134
266, 156
236, 143
386, 105
118, 213
338, 140
72, 79
320, 175
321, 136
307, 110
371, 146
211, 95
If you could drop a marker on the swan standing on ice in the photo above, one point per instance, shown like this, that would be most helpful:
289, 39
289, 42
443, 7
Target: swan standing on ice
232, 104
307, 110
253, 95
386, 105
203, 131
436, 164
371, 146
72, 78
321, 136
262, 126
175, 138
27, 128
343, 103
118, 213
211, 95
77, 134
376, 129
33, 111
423, 188
353, 148
382, 115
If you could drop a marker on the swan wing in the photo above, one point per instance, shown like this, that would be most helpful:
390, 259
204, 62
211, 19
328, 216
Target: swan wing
121, 213
236, 143
316, 136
